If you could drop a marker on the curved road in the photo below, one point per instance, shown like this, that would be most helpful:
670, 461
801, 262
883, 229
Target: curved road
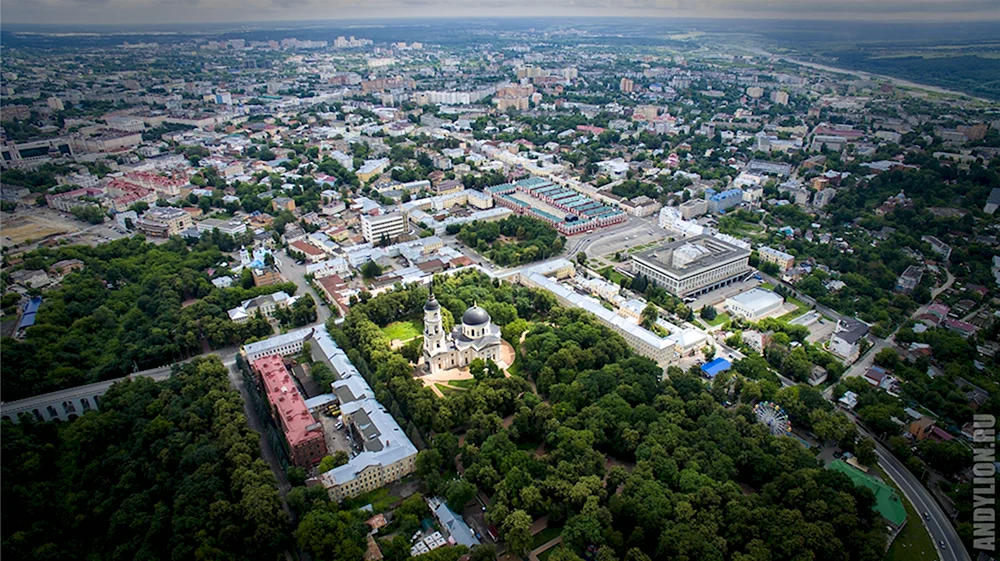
938, 524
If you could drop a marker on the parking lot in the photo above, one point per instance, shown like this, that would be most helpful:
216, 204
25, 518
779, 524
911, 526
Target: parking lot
336, 439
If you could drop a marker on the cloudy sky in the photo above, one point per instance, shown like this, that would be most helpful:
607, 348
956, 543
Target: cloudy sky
184, 11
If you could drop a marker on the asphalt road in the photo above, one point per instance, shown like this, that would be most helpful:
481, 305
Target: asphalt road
938, 524
297, 274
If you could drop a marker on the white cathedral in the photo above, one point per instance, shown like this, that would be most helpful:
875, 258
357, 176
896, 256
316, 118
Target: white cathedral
477, 337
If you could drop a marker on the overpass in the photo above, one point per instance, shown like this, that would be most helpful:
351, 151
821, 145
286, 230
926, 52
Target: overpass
68, 404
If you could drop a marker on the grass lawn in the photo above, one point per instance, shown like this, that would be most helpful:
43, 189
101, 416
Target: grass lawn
800, 308
404, 330
719, 320
467, 384
445, 389
913, 543
767, 286
614, 275
515, 369
545, 536
380, 500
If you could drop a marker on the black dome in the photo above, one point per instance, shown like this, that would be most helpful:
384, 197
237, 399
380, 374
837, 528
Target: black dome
475, 316
432, 304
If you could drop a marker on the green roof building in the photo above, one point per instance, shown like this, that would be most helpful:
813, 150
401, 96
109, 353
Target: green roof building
887, 502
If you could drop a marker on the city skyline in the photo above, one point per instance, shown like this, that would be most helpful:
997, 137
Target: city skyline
129, 12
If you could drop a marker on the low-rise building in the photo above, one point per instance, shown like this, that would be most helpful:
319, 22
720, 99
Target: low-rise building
845, 341
992, 202
783, 260
910, 278
231, 227
310, 253
939, 247
266, 304
67, 266
663, 350
372, 168
30, 279
267, 276
757, 340
283, 203
385, 453
754, 304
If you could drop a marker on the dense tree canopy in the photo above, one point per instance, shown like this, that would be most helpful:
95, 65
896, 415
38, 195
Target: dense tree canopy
165, 470
134, 305
513, 241
619, 459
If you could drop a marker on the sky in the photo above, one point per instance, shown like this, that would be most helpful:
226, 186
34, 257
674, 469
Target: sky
117, 12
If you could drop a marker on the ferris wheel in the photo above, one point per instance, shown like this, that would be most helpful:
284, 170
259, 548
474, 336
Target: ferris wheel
773, 417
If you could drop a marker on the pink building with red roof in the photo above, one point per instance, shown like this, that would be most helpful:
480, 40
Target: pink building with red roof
303, 434
163, 186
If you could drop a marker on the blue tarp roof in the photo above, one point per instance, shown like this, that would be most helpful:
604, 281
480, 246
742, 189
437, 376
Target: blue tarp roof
30, 309
712, 368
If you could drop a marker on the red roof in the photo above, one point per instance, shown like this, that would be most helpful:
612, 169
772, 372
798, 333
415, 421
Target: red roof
332, 283
937, 434
295, 417
308, 249
144, 178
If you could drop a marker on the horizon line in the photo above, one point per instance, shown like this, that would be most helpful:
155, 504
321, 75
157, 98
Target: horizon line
417, 18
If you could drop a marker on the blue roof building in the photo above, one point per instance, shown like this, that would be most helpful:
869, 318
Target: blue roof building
712, 369
721, 202
453, 523
28, 315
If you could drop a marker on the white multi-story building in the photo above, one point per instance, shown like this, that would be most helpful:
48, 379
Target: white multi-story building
284, 344
374, 228
387, 455
663, 350
672, 221
845, 341
693, 266
231, 227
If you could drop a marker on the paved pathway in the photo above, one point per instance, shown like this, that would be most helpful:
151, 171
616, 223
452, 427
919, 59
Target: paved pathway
533, 556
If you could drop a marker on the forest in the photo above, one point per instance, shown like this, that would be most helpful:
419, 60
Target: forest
134, 306
515, 240
165, 470
625, 465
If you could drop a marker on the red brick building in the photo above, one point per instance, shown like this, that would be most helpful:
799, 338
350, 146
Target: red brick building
303, 433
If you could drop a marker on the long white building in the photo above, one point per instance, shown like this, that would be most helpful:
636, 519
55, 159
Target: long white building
754, 304
663, 350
